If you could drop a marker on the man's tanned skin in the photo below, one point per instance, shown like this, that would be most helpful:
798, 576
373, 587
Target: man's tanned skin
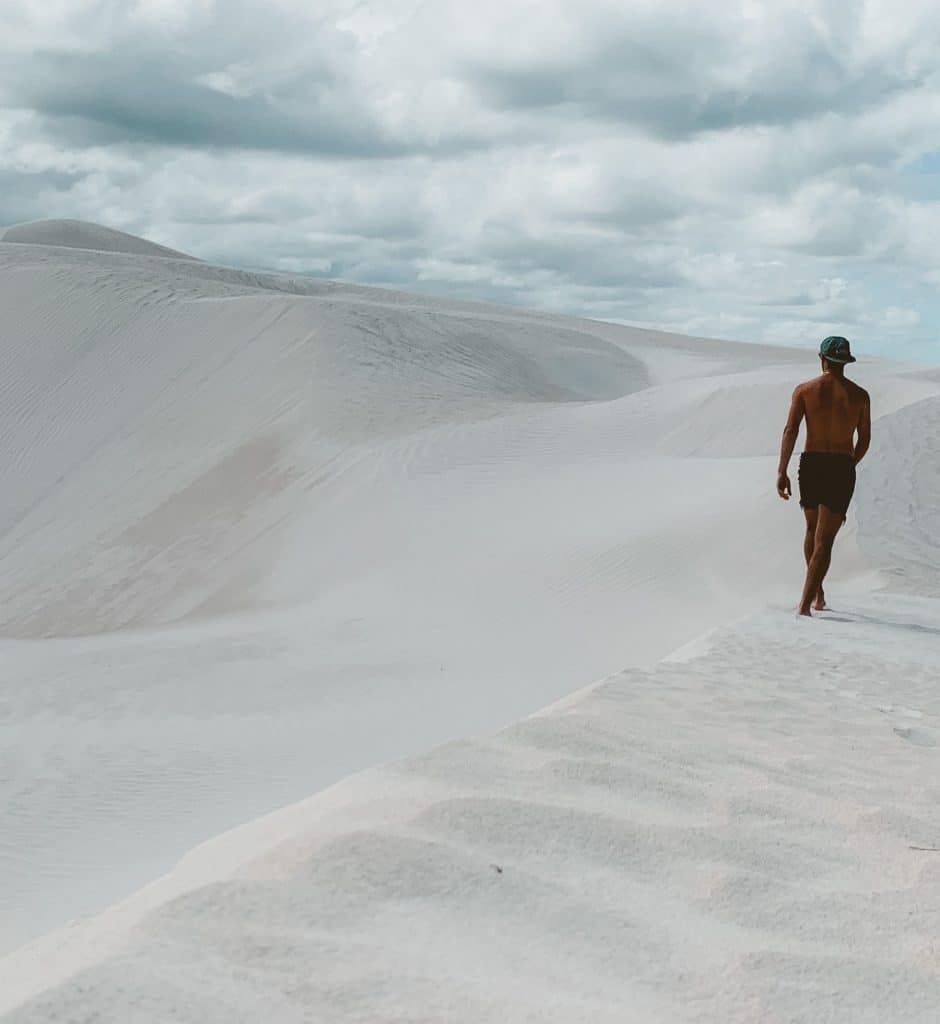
835, 408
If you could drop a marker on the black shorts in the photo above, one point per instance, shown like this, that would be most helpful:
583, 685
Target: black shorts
827, 478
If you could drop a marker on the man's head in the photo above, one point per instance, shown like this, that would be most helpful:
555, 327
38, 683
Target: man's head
834, 353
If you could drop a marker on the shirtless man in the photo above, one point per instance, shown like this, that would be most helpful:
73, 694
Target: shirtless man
834, 408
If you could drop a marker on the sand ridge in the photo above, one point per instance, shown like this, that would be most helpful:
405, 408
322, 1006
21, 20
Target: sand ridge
80, 234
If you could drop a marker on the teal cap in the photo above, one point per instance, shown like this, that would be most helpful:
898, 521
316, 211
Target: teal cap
836, 349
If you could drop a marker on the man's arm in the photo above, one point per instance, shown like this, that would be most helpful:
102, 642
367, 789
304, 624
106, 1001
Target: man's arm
864, 430
790, 433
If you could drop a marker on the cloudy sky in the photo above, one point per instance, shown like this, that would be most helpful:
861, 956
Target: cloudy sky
759, 169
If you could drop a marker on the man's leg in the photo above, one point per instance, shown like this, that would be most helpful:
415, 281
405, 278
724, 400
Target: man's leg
809, 542
827, 526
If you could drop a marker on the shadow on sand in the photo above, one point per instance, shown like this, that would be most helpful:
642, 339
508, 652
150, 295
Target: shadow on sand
914, 627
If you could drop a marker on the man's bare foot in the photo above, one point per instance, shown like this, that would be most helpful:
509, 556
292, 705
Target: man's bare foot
820, 603
804, 611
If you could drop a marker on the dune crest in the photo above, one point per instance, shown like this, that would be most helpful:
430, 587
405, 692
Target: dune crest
80, 234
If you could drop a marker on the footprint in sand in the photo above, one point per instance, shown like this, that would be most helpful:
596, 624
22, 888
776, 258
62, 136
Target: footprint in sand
900, 710
917, 734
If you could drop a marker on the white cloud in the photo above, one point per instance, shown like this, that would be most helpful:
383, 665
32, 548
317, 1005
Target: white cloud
896, 317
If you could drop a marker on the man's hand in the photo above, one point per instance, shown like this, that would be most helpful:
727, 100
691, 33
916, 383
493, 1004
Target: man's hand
790, 433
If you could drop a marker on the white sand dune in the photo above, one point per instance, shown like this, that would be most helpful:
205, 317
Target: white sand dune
80, 234
265, 532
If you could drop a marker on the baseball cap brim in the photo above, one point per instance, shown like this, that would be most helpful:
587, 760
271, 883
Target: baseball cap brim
832, 359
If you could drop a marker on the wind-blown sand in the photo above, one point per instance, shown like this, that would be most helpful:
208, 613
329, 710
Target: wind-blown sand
264, 532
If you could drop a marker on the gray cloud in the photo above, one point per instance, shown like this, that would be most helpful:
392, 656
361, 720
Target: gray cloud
238, 75
679, 75
575, 259
25, 193
103, 99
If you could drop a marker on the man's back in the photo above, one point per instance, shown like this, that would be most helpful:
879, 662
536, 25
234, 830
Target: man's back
833, 406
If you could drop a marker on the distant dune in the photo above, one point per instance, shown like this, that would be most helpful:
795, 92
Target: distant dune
80, 234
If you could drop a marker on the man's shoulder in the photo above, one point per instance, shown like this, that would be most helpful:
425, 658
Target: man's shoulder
818, 383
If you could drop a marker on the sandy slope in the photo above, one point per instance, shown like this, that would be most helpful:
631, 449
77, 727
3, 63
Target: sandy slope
747, 836
899, 526
263, 532
80, 234
259, 532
